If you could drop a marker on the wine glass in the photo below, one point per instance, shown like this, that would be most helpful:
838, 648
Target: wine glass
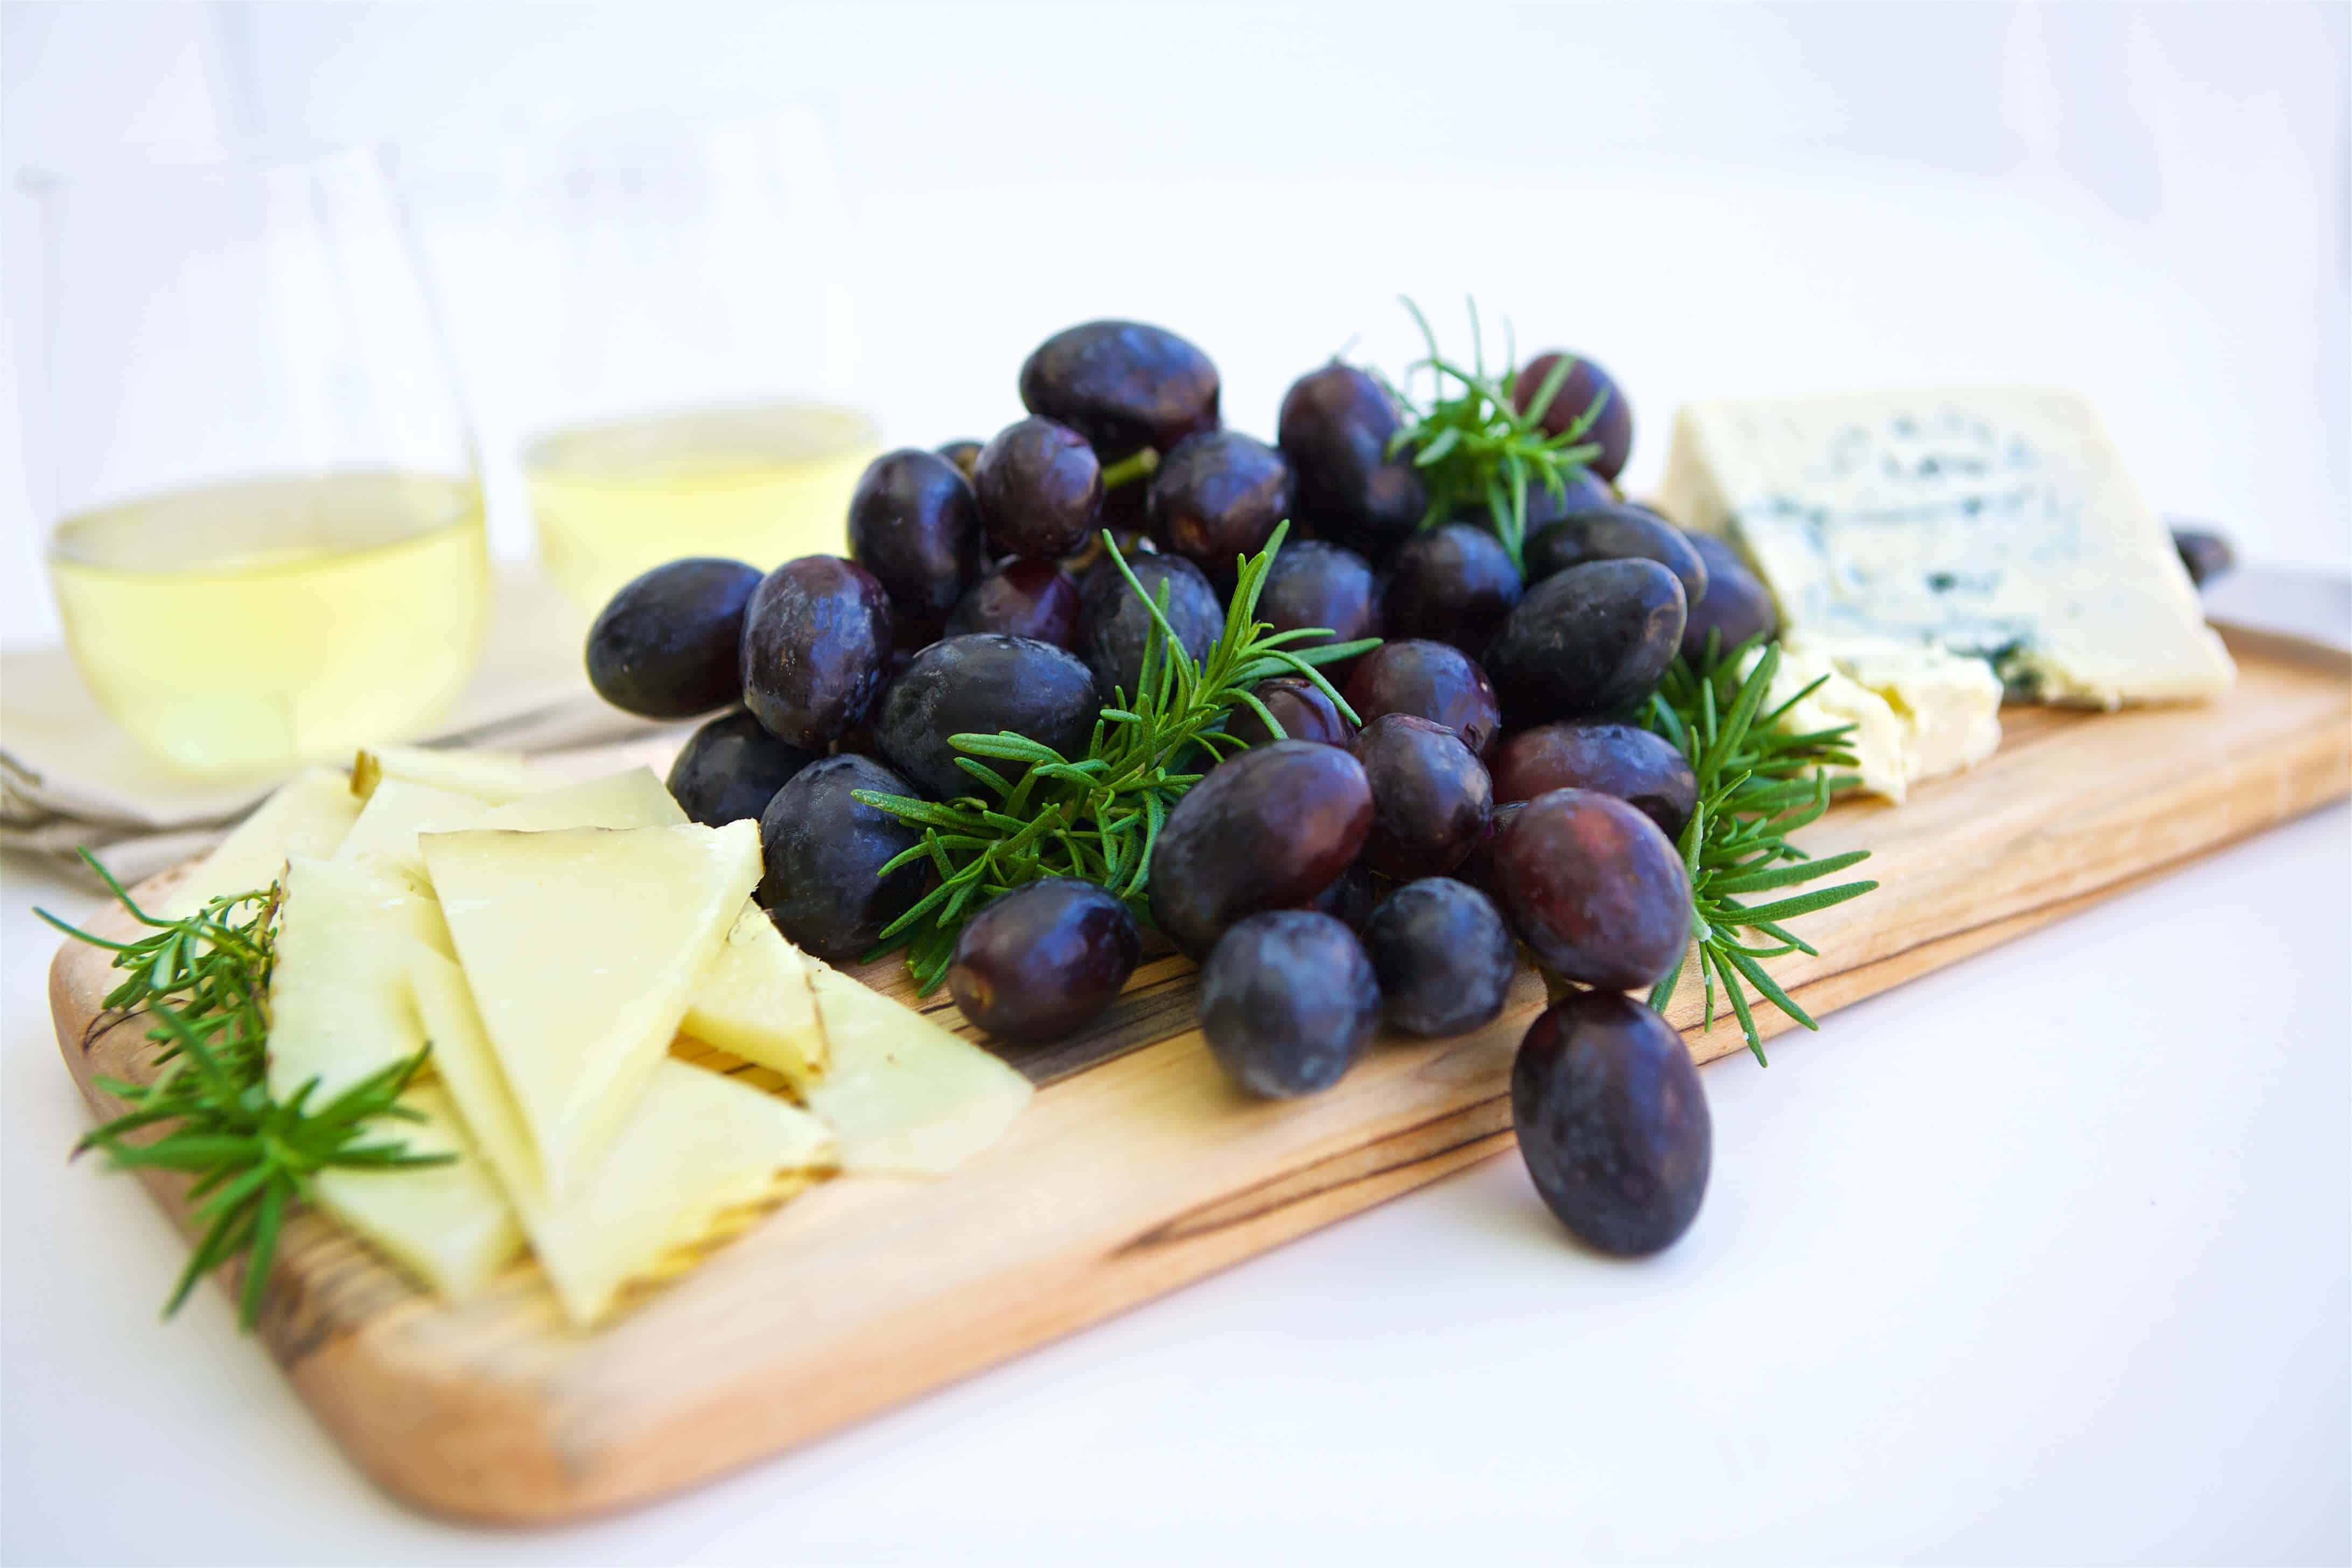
690, 291
267, 540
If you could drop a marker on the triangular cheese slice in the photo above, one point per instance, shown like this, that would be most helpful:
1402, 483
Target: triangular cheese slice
492, 776
310, 814
449, 1225
469, 1069
636, 798
339, 1003
582, 948
386, 834
904, 1096
698, 1156
755, 1001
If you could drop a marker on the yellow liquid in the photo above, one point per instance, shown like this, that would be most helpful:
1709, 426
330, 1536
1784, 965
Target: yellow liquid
762, 485
277, 622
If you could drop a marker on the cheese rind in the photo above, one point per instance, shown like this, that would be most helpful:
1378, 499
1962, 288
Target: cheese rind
339, 1004
492, 777
1991, 522
698, 1153
310, 814
581, 948
449, 1225
907, 1097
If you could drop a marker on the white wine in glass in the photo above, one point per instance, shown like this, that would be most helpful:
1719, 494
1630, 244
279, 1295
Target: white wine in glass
269, 547
691, 292
271, 622
762, 484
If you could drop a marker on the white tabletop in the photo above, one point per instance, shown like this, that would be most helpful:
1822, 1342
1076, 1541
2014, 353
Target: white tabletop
2046, 1257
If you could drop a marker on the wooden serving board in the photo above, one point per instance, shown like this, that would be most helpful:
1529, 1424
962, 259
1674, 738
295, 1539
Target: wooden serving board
1137, 1169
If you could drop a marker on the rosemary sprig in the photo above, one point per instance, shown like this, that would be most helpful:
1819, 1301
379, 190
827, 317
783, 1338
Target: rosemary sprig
1475, 447
1096, 816
205, 979
1759, 781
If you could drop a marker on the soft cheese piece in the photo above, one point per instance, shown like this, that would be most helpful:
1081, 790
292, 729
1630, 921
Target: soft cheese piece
310, 814
449, 1225
385, 836
339, 1004
907, 1097
755, 1000
493, 777
1917, 713
699, 1153
1995, 523
582, 948
636, 798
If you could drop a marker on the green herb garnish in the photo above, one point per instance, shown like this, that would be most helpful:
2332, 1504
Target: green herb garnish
1757, 783
1475, 447
1098, 817
205, 979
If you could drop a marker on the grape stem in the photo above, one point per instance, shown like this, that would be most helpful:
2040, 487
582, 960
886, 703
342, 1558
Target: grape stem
1141, 464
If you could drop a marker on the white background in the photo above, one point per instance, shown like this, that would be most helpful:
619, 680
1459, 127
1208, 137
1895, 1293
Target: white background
2048, 1257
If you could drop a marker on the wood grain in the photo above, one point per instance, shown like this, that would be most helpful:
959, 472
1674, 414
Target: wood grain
1138, 1169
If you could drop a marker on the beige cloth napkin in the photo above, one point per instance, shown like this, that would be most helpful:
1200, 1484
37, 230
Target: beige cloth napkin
69, 778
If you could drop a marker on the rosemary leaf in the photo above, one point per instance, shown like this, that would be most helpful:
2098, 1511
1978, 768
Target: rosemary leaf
1096, 816
204, 979
1757, 783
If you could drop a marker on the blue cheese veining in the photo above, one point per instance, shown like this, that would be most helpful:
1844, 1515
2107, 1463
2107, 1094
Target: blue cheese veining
1991, 522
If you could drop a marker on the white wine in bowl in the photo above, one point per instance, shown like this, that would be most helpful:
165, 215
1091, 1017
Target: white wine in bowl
269, 623
763, 485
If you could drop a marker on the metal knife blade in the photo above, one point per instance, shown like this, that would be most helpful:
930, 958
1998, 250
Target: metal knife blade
2313, 607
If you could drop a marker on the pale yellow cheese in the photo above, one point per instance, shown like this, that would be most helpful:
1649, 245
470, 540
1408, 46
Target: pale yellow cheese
698, 1154
904, 1096
1916, 712
492, 776
449, 1225
582, 948
386, 834
308, 815
339, 1004
470, 1068
636, 798
755, 1001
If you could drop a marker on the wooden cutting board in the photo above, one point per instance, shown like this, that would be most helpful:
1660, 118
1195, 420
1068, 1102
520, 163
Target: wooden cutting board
1137, 1169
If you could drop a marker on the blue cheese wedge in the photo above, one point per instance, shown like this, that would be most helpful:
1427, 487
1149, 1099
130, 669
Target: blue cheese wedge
1995, 523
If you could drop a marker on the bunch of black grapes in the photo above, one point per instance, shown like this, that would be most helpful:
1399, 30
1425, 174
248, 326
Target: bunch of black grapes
1499, 792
